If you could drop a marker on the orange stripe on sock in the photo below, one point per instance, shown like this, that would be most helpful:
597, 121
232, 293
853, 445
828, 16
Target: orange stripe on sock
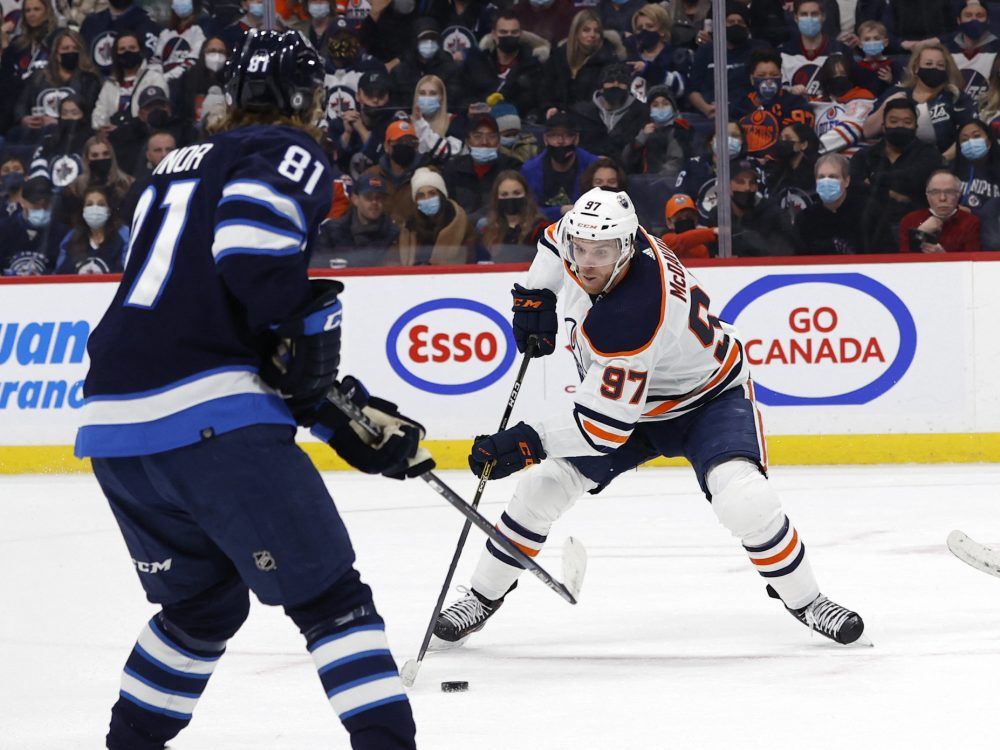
781, 555
526, 550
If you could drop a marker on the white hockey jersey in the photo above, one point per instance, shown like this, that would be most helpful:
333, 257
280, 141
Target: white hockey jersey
649, 349
840, 125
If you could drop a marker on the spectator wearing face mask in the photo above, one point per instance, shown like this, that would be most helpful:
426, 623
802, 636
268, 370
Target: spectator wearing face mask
974, 48
321, 20
228, 20
661, 146
613, 117
359, 133
698, 177
802, 57
788, 173
834, 224
362, 237
942, 227
29, 239
934, 85
12, 176
58, 156
97, 241
68, 71
573, 70
514, 142
470, 177
154, 114
101, 30
24, 51
895, 169
649, 53
554, 175
511, 64
396, 168
876, 70
739, 46
769, 108
436, 230
423, 56
843, 107
977, 166
513, 222
760, 227
199, 94
438, 130
180, 43
463, 24
100, 168
549, 19
118, 101
684, 236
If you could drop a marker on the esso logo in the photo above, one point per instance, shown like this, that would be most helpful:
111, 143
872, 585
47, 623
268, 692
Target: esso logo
822, 339
451, 346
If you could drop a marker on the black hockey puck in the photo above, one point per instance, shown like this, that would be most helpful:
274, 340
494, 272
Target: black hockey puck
459, 686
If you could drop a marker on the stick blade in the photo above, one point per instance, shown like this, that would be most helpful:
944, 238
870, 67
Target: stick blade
969, 551
574, 560
408, 674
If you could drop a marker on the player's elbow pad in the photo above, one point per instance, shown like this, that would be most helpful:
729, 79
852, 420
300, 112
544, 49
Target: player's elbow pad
303, 366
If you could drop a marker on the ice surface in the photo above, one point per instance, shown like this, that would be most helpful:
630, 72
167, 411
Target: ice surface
673, 645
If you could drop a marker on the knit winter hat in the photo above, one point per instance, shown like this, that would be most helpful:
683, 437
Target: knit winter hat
427, 177
506, 115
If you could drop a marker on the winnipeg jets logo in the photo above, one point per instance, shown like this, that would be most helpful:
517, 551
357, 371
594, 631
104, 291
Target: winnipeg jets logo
264, 561
623, 200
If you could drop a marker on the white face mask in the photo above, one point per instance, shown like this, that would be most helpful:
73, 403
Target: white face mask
96, 216
215, 61
319, 10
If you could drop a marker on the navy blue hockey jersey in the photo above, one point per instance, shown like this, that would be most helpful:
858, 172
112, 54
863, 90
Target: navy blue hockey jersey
218, 255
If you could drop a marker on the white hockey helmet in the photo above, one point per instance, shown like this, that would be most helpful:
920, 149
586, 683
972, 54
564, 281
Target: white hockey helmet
600, 216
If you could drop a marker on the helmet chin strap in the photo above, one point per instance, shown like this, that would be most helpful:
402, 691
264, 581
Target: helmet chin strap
623, 260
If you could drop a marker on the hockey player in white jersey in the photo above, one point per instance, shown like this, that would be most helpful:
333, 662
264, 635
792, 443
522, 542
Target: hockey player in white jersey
660, 375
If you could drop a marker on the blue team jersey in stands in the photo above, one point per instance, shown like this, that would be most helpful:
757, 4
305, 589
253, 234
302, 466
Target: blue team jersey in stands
218, 255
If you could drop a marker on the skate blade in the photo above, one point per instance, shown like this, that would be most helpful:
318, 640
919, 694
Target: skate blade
438, 644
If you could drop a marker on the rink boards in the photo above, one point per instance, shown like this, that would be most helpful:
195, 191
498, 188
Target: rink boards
887, 359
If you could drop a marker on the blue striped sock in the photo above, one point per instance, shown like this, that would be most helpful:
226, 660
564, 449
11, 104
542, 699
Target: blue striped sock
163, 679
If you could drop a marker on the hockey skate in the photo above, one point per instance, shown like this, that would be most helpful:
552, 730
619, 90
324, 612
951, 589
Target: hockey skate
466, 616
827, 618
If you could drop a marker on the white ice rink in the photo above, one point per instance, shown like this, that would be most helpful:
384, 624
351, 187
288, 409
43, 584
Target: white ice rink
673, 645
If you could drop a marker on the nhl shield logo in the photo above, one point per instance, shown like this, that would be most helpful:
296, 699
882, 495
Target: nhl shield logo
623, 200
264, 561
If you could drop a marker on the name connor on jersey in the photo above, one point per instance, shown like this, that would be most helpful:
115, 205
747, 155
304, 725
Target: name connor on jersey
183, 159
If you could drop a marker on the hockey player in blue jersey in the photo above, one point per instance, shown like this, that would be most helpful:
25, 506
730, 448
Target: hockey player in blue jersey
214, 348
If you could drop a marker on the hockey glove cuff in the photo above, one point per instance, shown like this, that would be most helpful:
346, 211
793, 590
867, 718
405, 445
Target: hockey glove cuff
304, 364
397, 455
512, 450
535, 315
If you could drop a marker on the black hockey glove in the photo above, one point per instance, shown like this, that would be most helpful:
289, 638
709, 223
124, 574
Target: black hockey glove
398, 455
535, 315
513, 449
304, 364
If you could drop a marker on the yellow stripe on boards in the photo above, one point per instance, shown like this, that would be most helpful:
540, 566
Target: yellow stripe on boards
782, 449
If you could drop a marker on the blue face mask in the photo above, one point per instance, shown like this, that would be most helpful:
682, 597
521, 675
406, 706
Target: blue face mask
428, 48
13, 181
662, 115
767, 88
829, 189
256, 10
38, 217
429, 105
973, 29
541, 3
429, 206
873, 48
810, 26
975, 148
483, 154
508, 141
183, 8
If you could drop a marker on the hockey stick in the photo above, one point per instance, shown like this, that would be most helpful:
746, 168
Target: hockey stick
410, 669
971, 552
475, 517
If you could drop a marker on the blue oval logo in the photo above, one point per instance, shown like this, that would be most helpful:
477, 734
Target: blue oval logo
878, 291
465, 349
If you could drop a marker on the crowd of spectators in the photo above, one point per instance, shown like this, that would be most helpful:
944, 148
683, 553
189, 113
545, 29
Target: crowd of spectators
459, 129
